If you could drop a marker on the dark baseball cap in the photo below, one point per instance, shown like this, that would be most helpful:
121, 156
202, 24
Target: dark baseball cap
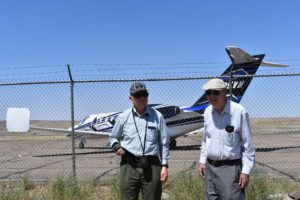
137, 87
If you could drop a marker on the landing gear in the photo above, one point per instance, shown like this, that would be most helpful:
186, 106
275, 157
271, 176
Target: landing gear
81, 144
173, 144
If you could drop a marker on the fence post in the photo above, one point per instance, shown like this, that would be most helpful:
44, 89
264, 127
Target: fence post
72, 121
230, 80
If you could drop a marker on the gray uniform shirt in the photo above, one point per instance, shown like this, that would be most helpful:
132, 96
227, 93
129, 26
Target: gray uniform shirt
124, 133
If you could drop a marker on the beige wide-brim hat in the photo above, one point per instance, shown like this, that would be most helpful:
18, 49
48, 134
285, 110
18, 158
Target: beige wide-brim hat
215, 84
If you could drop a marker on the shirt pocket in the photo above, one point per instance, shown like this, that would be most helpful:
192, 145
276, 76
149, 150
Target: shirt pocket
151, 133
231, 139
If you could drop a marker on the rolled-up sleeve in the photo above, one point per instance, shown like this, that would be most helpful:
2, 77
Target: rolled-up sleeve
164, 141
248, 152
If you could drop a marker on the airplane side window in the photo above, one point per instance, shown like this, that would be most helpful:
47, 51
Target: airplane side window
113, 121
103, 119
177, 111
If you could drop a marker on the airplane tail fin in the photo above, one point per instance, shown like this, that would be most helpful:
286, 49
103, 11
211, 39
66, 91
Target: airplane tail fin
243, 66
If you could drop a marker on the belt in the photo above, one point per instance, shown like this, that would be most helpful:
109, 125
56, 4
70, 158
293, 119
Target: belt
217, 163
129, 158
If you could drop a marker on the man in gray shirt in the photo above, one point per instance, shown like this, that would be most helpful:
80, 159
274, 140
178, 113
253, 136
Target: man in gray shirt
140, 137
227, 153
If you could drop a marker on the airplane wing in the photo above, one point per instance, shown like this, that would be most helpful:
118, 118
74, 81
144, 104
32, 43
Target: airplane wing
78, 133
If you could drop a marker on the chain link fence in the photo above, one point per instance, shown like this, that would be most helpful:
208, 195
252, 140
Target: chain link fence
272, 102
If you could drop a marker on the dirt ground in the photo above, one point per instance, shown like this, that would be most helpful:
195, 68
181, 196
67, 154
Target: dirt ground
42, 155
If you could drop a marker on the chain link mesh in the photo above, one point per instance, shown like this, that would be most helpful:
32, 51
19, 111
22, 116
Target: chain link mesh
272, 102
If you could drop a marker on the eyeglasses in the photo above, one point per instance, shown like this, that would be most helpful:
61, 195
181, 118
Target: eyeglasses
140, 95
212, 92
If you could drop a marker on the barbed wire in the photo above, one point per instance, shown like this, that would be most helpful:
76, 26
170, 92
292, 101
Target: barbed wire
62, 75
32, 67
144, 77
153, 64
146, 68
138, 77
177, 70
136, 64
137, 69
39, 74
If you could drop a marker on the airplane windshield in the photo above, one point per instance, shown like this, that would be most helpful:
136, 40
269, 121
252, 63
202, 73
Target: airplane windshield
169, 111
82, 122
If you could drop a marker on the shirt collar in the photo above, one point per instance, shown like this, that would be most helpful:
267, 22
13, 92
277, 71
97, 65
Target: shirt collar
147, 111
226, 108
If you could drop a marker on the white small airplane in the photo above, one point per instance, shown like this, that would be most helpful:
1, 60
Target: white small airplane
179, 120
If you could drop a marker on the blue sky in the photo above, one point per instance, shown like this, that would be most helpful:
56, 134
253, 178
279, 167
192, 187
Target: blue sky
38, 32
58, 32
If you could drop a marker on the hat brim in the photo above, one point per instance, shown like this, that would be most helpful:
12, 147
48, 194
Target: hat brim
211, 88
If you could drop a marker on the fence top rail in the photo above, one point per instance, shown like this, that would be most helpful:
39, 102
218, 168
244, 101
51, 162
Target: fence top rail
141, 79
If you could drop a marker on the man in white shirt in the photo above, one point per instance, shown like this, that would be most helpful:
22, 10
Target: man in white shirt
227, 153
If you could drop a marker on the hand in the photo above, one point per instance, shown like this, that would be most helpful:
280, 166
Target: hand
244, 180
201, 169
164, 174
120, 152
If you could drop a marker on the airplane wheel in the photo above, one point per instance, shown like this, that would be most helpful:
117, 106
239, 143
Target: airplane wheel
173, 144
81, 145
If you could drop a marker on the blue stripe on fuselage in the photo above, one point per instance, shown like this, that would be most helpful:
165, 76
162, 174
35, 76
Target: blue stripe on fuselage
203, 106
198, 107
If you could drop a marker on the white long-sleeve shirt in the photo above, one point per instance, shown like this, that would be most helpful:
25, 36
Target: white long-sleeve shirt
218, 144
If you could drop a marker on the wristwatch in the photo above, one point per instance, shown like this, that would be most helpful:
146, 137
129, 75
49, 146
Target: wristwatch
165, 165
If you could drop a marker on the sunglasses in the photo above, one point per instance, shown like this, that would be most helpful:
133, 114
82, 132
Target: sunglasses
212, 92
140, 95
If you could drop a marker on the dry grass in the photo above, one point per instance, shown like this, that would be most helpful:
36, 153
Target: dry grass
184, 186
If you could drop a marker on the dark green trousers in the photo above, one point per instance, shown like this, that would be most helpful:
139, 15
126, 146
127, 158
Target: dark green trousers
133, 179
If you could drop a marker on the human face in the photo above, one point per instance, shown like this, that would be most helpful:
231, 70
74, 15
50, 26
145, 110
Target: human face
141, 95
140, 100
212, 92
217, 98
